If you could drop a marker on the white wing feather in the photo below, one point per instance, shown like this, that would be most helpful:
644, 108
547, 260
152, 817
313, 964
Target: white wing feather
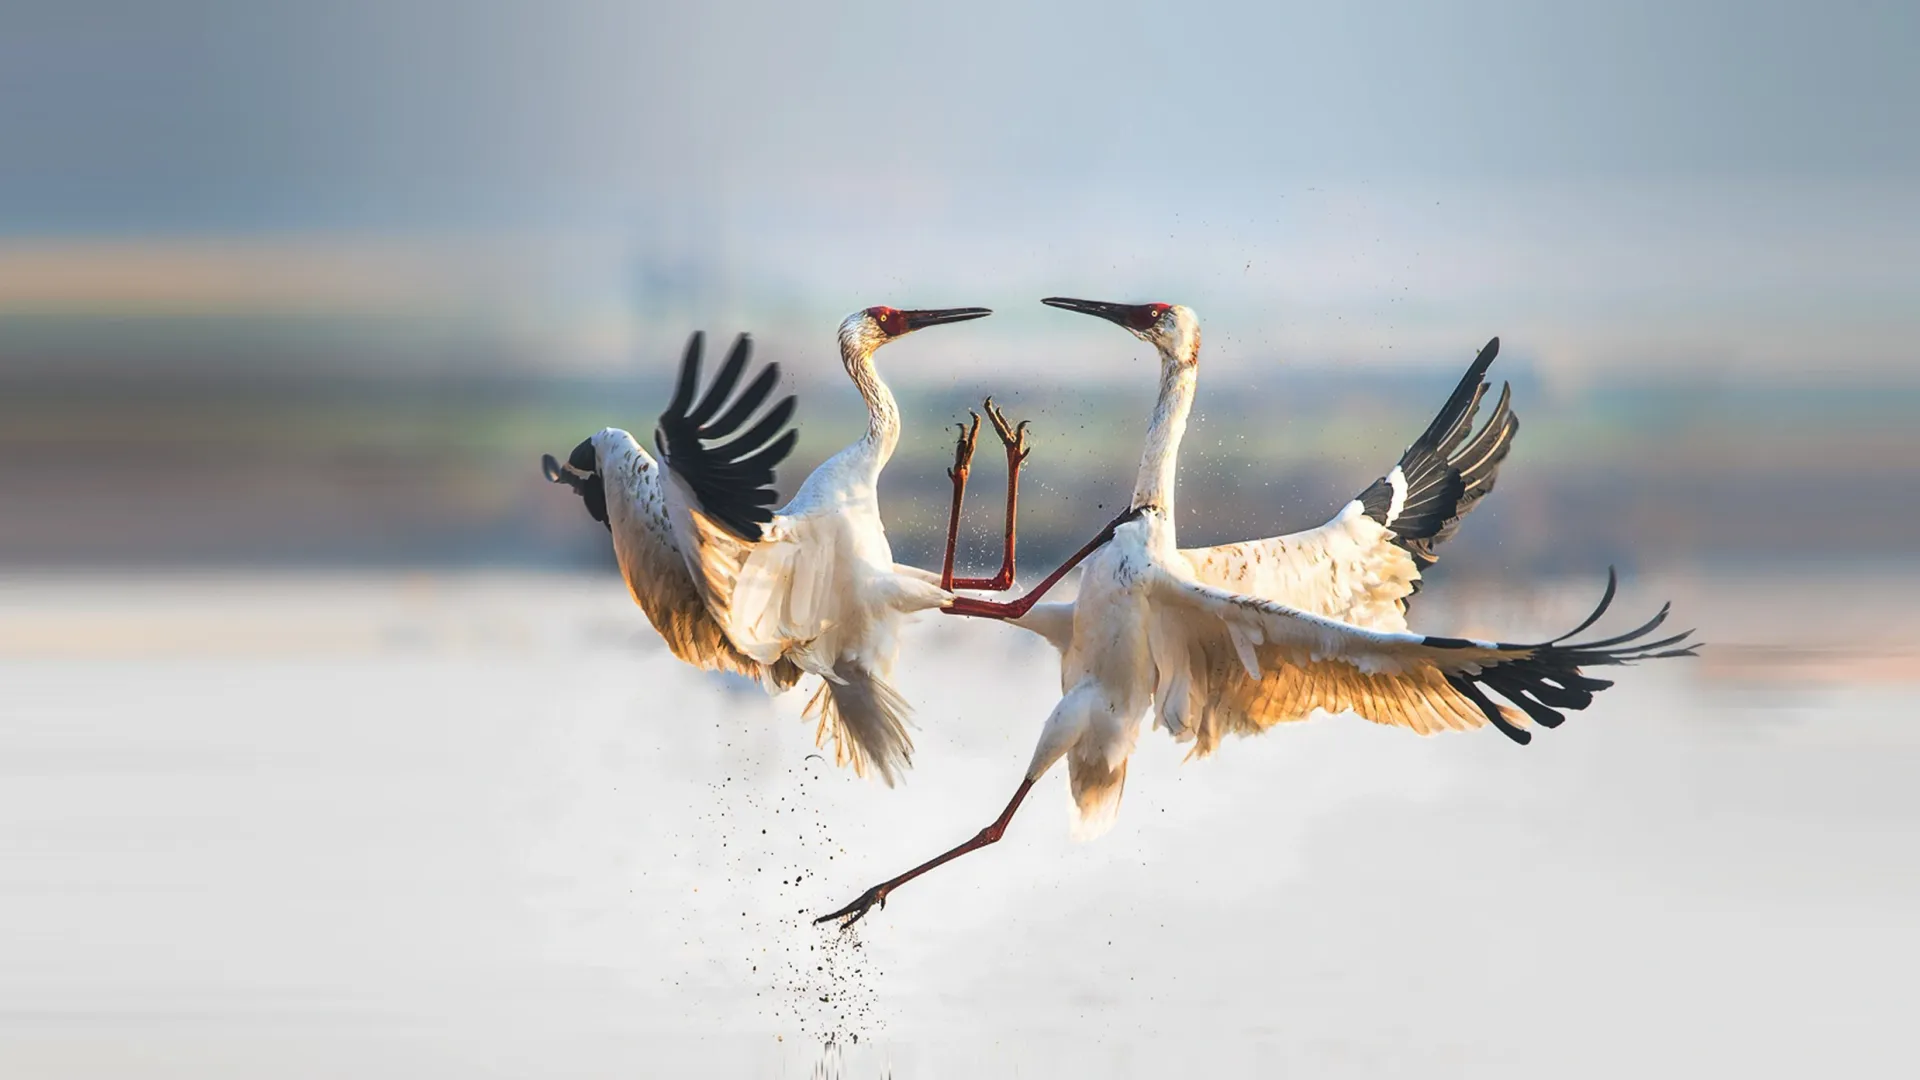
1349, 569
787, 592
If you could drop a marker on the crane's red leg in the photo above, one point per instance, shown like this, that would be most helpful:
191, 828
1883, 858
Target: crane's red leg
1014, 439
878, 894
989, 609
962, 460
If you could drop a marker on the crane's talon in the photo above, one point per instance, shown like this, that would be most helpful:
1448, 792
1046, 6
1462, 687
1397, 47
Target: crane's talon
963, 447
1012, 436
853, 912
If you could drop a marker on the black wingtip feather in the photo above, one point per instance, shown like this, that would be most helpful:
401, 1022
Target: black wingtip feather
1643, 630
750, 399
730, 482
772, 454
1546, 681
1472, 693
756, 436
1465, 396
723, 383
689, 374
1606, 600
1445, 472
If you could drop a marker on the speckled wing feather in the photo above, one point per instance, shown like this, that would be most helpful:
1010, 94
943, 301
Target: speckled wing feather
654, 563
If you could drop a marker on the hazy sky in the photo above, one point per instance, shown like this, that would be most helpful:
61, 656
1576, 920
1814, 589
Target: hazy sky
1730, 176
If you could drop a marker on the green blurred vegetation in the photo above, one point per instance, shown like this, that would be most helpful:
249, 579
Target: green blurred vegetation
168, 446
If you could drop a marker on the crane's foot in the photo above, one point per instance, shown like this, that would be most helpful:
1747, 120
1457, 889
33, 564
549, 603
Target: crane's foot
1013, 437
853, 912
963, 449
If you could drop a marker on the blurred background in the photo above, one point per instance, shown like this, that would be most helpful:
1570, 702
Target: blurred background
293, 297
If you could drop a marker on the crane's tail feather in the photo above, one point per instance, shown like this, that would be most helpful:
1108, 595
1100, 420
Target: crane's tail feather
1096, 787
866, 720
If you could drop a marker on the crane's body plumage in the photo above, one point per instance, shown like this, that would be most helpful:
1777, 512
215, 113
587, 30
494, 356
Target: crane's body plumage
1107, 675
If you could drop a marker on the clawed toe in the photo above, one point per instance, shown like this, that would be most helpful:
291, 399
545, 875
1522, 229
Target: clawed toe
855, 911
1012, 436
963, 447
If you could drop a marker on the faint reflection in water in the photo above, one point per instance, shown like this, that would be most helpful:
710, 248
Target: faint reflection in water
831, 1064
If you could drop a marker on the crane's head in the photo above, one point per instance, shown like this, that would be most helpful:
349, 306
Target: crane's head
582, 474
1171, 328
868, 330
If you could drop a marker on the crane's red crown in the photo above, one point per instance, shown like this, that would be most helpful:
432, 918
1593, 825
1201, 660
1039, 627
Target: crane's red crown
1145, 316
891, 321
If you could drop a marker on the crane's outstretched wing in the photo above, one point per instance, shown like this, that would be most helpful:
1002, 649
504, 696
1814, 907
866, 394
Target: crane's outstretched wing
719, 493
1361, 566
636, 513
647, 511
1230, 663
727, 472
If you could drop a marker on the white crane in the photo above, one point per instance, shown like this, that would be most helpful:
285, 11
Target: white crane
1241, 638
811, 587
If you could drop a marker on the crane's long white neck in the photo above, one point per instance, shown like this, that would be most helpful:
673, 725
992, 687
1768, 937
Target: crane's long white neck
1160, 461
622, 464
883, 415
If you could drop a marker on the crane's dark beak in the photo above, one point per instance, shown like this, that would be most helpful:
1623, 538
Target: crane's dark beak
580, 465
917, 320
581, 474
1123, 314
